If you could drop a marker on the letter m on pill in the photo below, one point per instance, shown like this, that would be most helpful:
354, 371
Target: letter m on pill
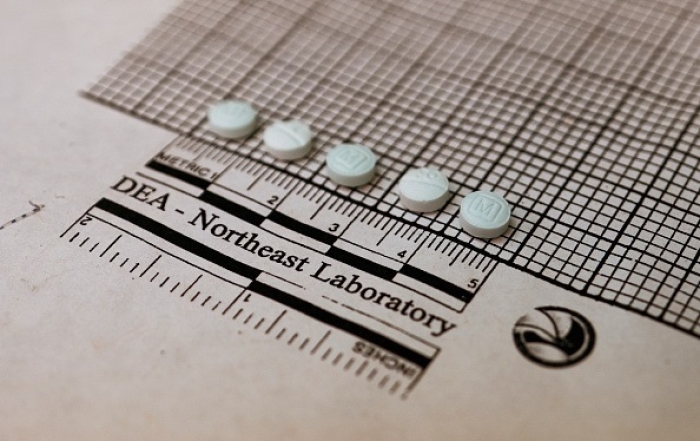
485, 208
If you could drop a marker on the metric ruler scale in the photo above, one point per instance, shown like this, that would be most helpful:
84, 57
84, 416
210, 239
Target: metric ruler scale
382, 244
357, 289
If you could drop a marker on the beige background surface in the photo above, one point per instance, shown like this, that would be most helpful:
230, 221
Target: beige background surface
83, 355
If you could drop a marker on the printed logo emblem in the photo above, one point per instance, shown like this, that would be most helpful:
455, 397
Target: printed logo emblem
353, 159
553, 336
485, 208
235, 111
428, 177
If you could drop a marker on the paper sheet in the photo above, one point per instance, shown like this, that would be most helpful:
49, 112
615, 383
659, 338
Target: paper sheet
195, 288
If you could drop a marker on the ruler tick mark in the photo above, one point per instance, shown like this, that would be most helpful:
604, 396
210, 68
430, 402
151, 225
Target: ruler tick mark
281, 333
175, 287
473, 259
245, 322
259, 323
216, 306
164, 281
452, 262
206, 300
151, 265
395, 387
383, 237
318, 210
237, 314
279, 317
231, 304
349, 364
110, 246
191, 285
252, 184
84, 242
326, 354
114, 257
362, 367
154, 277
94, 246
372, 373
294, 337
74, 237
124, 262
195, 296
303, 344
135, 266
320, 342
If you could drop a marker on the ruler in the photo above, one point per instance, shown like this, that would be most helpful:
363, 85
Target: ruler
314, 270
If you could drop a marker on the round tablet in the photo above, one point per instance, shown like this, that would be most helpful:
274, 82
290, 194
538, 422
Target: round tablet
232, 119
288, 140
423, 190
484, 214
351, 165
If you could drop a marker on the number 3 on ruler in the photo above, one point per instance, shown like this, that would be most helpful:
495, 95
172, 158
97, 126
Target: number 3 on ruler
333, 228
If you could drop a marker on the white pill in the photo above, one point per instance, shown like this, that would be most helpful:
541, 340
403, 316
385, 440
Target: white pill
351, 165
288, 140
423, 190
232, 119
484, 214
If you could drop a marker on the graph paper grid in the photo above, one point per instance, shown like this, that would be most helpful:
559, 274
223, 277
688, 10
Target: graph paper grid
583, 115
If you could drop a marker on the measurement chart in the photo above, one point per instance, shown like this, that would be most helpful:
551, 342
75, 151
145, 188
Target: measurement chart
371, 268
583, 117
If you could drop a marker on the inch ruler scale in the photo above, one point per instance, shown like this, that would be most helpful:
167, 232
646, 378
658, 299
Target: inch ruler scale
270, 251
